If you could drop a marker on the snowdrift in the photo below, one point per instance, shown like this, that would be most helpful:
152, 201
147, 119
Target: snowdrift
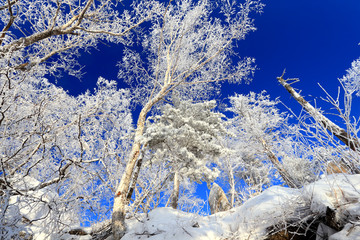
276, 206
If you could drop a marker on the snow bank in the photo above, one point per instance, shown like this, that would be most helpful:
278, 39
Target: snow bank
251, 220
248, 221
334, 191
350, 232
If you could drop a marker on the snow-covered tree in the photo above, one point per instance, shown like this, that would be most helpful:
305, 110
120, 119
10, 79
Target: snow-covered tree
72, 147
264, 145
60, 155
185, 136
34, 32
188, 49
351, 81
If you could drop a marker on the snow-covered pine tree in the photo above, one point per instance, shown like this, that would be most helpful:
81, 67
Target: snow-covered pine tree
185, 136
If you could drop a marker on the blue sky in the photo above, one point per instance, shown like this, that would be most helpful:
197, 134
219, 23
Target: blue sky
315, 40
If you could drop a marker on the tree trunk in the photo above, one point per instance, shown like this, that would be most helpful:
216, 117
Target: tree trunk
275, 161
134, 179
121, 194
120, 199
232, 187
337, 131
175, 193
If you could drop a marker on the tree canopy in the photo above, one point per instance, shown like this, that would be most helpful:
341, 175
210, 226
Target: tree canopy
72, 161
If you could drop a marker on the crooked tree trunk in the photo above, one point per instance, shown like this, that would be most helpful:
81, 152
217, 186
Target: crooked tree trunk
175, 193
122, 191
340, 133
283, 173
120, 199
121, 194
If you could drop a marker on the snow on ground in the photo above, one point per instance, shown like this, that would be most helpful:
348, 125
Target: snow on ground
334, 191
350, 232
340, 192
250, 220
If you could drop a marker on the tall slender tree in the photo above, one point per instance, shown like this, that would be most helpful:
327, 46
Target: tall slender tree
189, 47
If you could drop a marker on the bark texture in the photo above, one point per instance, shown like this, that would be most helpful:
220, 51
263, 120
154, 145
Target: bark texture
121, 200
217, 200
122, 191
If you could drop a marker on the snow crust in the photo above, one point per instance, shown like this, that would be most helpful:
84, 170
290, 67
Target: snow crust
350, 232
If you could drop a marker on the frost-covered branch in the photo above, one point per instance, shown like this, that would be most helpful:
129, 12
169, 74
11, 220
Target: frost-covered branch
58, 26
350, 141
50, 155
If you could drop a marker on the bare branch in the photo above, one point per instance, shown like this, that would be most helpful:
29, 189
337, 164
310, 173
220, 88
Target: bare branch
11, 21
8, 5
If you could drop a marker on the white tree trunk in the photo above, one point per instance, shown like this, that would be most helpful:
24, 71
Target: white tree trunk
232, 187
120, 199
176, 191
